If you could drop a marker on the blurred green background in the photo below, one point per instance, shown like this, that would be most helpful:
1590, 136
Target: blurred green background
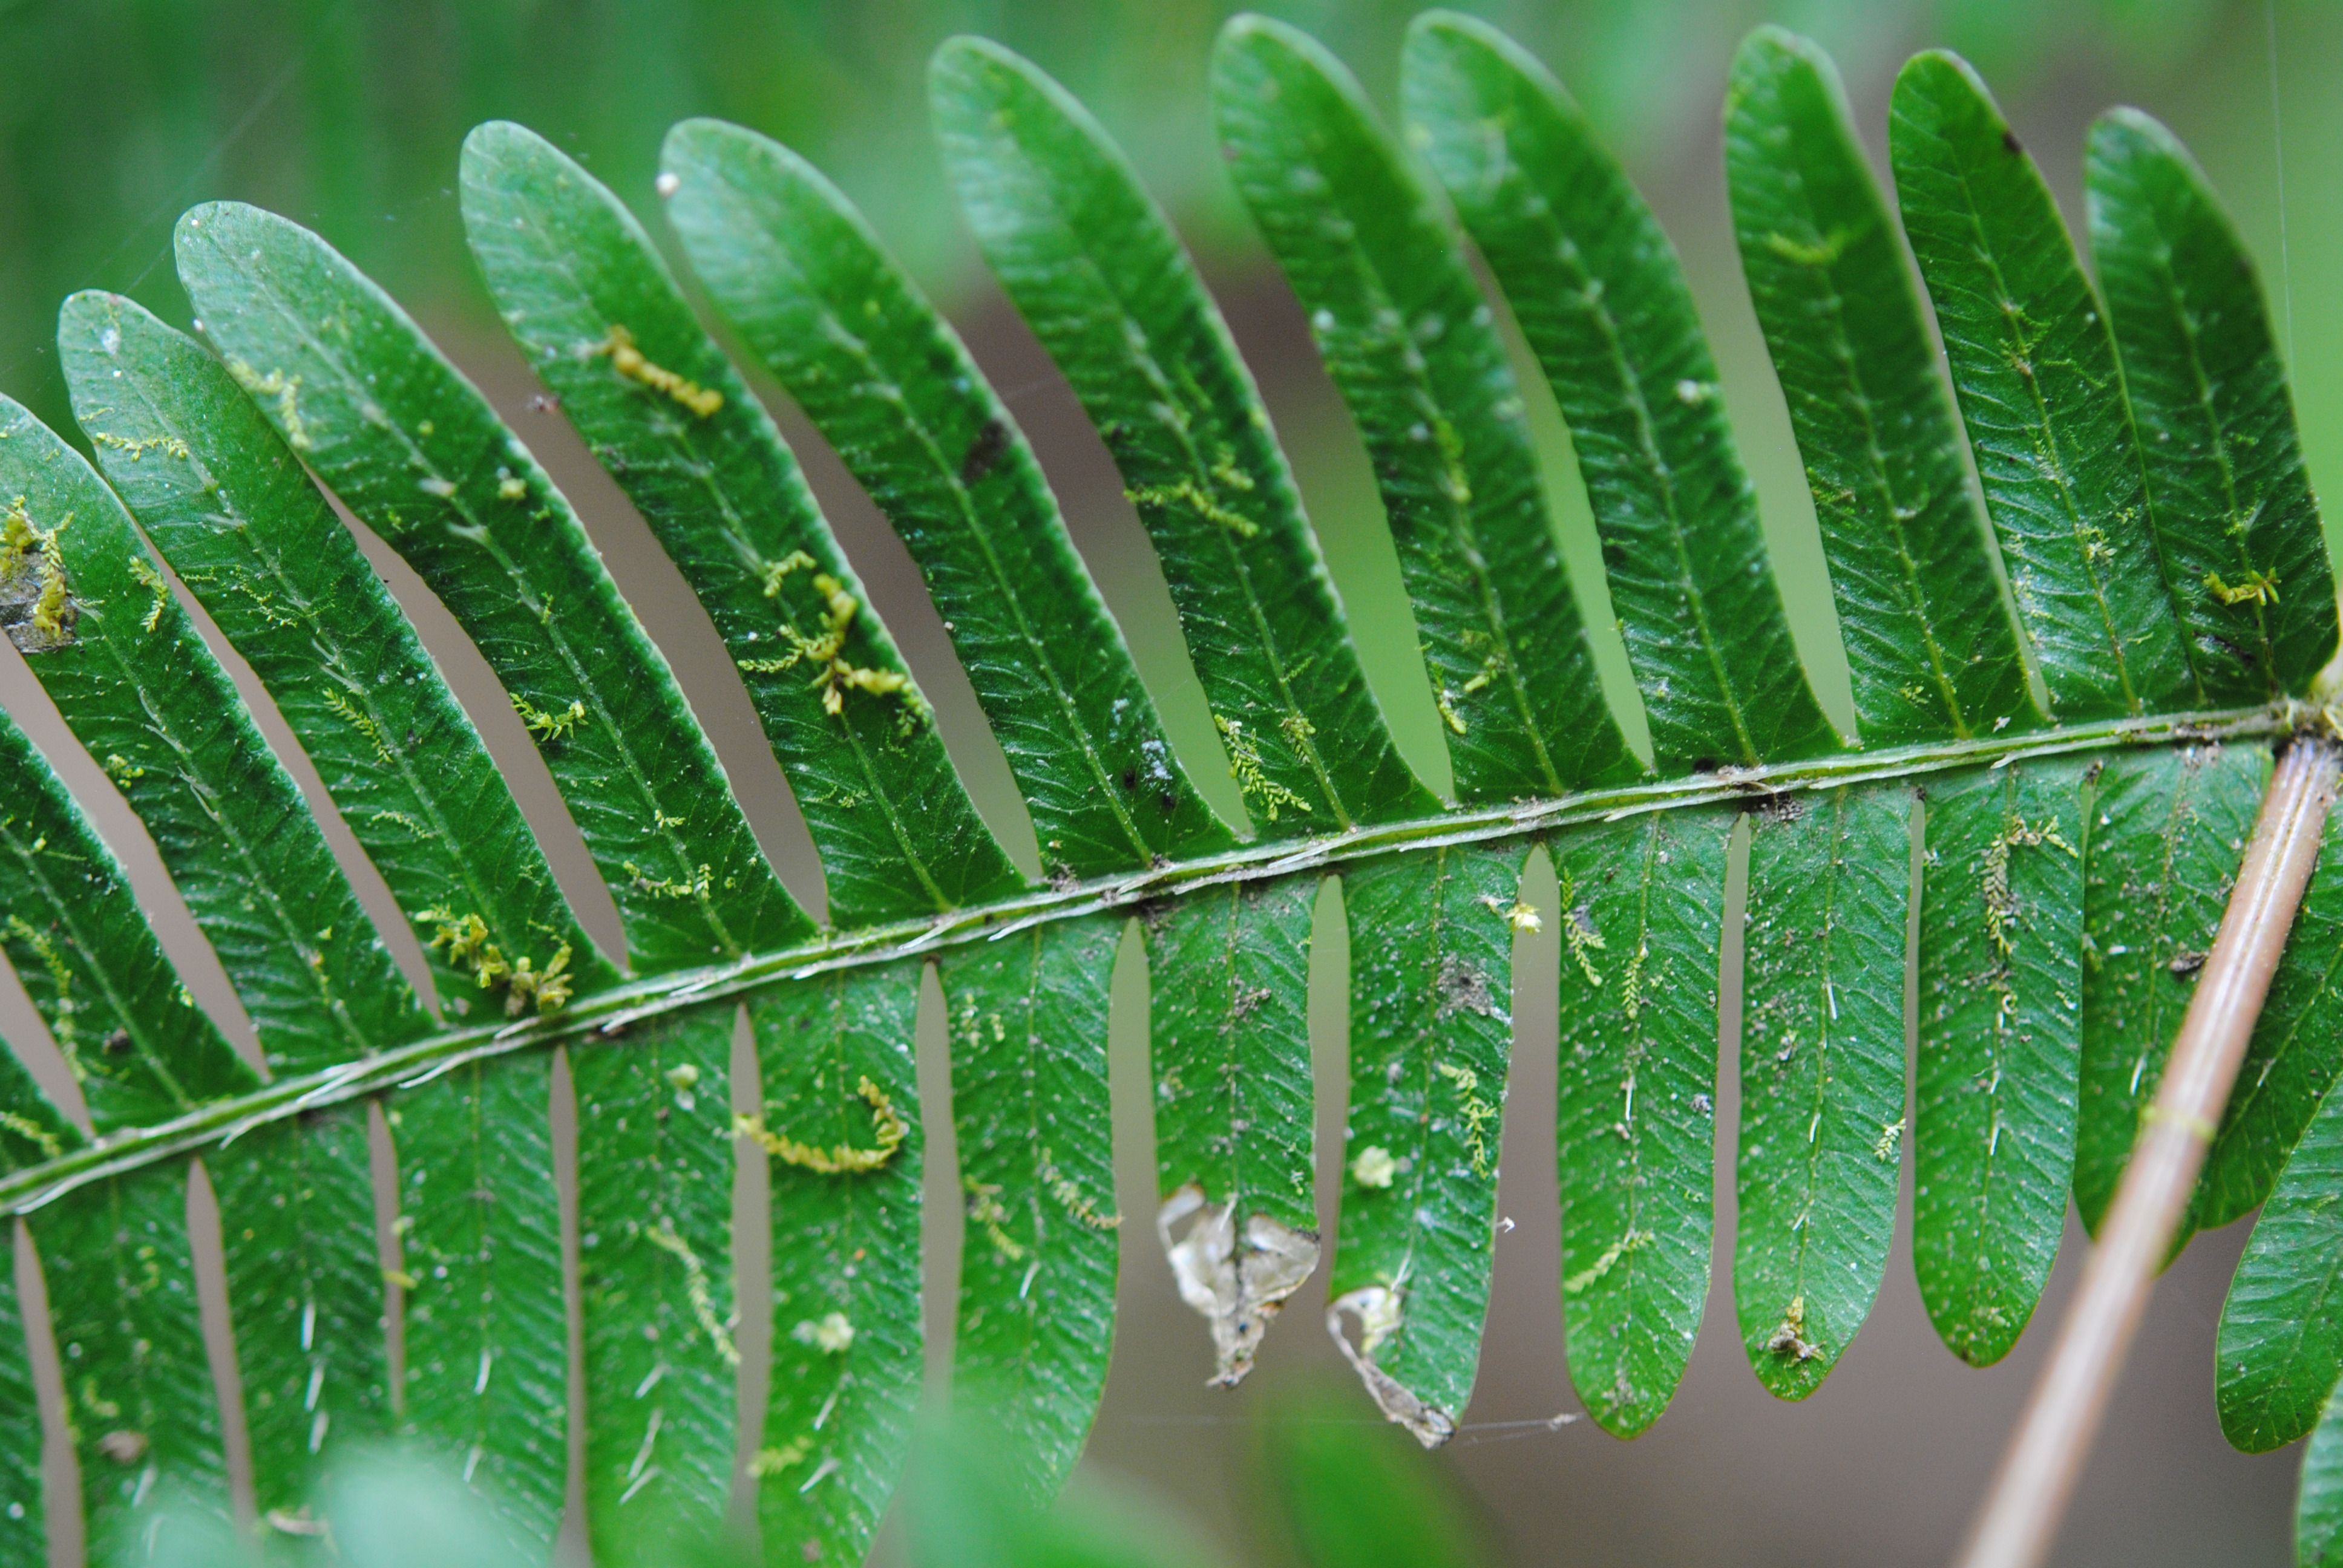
348, 117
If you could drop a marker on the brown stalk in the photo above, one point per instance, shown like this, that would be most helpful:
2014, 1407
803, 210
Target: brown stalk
2020, 1518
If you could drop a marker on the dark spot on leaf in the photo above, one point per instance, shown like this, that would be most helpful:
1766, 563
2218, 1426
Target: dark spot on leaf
2010, 142
984, 453
1169, 801
1781, 806
1703, 765
1130, 778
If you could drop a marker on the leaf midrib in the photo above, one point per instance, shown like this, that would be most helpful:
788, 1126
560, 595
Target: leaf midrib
611, 1011
2045, 429
1883, 484
973, 529
482, 534
1298, 729
321, 631
705, 470
1464, 527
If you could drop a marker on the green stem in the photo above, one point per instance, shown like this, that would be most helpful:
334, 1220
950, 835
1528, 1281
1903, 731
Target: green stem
612, 1011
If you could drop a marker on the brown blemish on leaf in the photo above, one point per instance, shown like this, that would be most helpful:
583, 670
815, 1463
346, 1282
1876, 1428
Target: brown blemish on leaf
1789, 1339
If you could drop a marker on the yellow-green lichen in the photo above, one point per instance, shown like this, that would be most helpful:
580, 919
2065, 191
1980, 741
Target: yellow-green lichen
842, 1158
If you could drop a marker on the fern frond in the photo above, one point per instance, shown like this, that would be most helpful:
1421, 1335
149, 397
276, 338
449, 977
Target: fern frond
2147, 562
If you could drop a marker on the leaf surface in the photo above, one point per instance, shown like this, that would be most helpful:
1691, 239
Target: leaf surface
227, 504
31, 1130
2296, 1047
138, 1392
1642, 910
588, 300
2001, 993
140, 1050
2036, 373
1412, 349
1432, 955
820, 304
1602, 301
1027, 1017
655, 1282
1822, 1075
2168, 829
1094, 268
142, 693
846, 1337
2319, 1506
305, 1299
2281, 1338
486, 1343
413, 448
1930, 646
1235, 1115
2232, 503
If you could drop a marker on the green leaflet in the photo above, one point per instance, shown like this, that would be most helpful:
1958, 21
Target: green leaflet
2168, 829
1602, 301
1929, 643
589, 301
655, 1282
2292, 1058
31, 1131
1028, 1015
415, 450
146, 697
847, 1346
1822, 1074
2231, 501
2001, 990
140, 1048
1642, 910
2039, 391
820, 304
306, 1297
2318, 1509
1095, 269
139, 1393
2281, 1338
227, 504
23, 1541
1431, 958
1412, 346
1235, 1116
486, 1347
